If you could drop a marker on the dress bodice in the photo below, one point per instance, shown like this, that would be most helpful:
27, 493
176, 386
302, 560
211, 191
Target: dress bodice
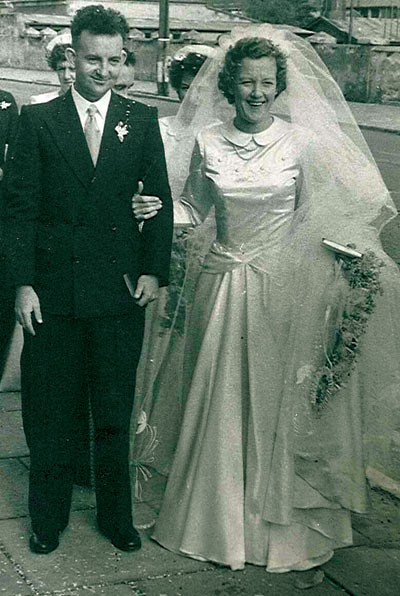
253, 182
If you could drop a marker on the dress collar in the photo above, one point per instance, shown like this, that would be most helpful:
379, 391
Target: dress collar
241, 139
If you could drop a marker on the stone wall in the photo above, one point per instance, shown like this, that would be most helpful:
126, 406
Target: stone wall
348, 66
364, 73
384, 75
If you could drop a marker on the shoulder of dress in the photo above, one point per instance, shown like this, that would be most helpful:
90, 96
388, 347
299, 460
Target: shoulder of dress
210, 131
300, 136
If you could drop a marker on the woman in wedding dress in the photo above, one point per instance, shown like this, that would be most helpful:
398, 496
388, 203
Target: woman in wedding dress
259, 475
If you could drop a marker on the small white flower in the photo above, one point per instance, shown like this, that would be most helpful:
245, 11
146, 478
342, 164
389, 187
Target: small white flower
4, 105
122, 130
141, 422
303, 373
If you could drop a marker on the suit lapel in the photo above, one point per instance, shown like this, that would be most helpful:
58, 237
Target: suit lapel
65, 125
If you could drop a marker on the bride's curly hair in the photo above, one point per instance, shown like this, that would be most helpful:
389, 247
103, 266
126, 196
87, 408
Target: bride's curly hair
250, 47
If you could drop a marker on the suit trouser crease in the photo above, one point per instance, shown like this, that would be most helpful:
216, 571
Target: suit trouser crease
55, 365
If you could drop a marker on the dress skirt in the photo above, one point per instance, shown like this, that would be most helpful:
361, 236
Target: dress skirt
235, 494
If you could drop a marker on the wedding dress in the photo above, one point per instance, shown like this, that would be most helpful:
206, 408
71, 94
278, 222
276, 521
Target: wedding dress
259, 476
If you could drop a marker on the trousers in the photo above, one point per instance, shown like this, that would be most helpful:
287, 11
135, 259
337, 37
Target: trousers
64, 356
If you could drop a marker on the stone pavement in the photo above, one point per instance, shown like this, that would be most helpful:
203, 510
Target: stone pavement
86, 563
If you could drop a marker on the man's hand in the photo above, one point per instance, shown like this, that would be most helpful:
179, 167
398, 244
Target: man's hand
26, 302
144, 206
146, 290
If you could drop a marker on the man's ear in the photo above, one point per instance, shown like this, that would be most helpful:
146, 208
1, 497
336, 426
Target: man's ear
123, 57
70, 55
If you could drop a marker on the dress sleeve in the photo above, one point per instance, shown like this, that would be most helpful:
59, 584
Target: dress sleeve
196, 195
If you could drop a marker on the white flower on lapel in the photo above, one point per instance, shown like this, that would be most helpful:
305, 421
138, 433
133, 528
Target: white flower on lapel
122, 130
141, 422
4, 105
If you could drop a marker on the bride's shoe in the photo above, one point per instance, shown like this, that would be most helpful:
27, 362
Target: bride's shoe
308, 579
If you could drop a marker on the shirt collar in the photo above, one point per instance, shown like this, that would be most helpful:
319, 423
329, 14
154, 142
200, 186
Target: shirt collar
82, 104
241, 139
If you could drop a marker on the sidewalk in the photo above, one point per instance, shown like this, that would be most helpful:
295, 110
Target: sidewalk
86, 563
370, 116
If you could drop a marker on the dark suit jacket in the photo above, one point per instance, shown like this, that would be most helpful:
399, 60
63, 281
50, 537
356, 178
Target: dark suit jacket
8, 130
70, 231
8, 122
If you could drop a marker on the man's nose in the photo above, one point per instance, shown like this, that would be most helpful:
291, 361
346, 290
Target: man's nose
103, 69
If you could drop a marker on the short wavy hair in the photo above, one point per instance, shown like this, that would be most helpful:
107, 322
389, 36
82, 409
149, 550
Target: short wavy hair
250, 47
190, 63
99, 21
57, 55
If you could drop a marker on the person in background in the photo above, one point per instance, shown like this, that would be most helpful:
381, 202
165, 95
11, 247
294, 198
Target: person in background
185, 65
8, 126
164, 331
126, 79
58, 62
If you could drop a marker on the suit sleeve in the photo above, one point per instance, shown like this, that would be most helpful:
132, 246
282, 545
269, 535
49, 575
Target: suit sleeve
21, 202
157, 232
12, 123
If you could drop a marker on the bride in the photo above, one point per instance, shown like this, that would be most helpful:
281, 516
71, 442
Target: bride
260, 474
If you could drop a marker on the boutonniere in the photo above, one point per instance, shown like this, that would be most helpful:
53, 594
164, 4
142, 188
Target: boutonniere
122, 130
4, 105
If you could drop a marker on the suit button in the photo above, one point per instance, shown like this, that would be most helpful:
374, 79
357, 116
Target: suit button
113, 228
76, 261
113, 260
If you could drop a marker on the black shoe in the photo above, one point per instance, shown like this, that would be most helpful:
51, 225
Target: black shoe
127, 539
43, 545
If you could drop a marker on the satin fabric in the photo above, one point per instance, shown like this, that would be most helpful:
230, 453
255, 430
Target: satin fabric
238, 492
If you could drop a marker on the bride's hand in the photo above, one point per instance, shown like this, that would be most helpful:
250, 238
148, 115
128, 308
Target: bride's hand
144, 206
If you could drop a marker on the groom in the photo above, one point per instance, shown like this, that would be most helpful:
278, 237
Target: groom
83, 273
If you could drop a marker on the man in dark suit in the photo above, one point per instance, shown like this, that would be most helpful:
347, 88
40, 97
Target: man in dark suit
83, 273
8, 126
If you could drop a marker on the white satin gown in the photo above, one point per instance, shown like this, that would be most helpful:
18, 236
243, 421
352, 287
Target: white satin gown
240, 489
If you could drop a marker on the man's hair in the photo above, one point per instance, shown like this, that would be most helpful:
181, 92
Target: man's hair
130, 58
57, 55
99, 21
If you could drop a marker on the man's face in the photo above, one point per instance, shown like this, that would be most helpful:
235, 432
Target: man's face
125, 80
97, 60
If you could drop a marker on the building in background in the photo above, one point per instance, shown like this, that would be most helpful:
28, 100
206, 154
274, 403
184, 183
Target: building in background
376, 9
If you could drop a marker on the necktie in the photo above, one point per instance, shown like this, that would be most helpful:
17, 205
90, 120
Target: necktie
92, 133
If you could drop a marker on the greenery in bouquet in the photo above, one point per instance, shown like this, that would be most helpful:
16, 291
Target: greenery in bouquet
362, 276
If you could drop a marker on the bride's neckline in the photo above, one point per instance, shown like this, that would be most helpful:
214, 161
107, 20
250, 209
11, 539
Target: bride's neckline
259, 132
239, 138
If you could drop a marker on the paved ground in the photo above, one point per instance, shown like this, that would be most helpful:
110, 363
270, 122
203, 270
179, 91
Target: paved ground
86, 563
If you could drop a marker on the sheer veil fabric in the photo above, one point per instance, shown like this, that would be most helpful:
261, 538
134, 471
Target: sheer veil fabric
316, 462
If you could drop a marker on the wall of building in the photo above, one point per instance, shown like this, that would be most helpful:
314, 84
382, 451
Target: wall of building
364, 73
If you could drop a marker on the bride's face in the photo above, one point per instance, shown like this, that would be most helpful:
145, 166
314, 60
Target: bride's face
254, 89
